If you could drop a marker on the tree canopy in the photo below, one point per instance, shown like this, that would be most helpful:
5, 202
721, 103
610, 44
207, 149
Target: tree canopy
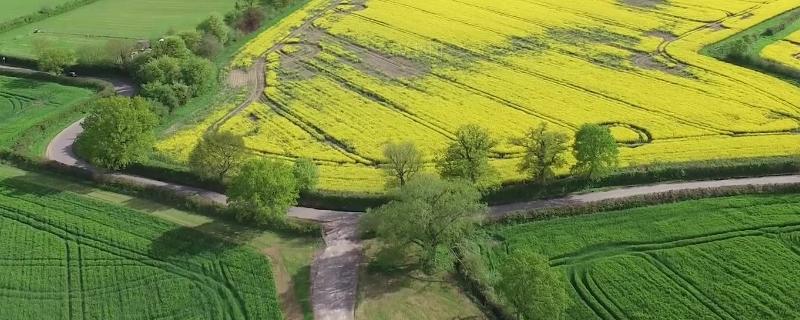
263, 191
545, 152
404, 161
306, 173
532, 287
53, 58
596, 151
118, 132
429, 213
467, 157
217, 155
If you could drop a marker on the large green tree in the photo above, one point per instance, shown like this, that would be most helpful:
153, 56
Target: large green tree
404, 161
532, 287
53, 58
263, 191
545, 152
118, 132
596, 151
215, 25
430, 214
467, 157
217, 155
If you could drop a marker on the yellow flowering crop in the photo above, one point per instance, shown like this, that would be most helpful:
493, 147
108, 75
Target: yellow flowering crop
365, 73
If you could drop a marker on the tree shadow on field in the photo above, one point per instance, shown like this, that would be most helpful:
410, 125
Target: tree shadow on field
194, 241
23, 185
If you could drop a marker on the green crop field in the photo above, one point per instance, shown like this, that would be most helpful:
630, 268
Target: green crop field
64, 256
14, 9
728, 258
24, 103
96, 23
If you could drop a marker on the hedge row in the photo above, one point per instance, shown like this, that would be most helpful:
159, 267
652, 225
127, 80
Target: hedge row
704, 170
161, 195
520, 192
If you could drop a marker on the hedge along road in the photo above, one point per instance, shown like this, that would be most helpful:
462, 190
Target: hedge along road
334, 271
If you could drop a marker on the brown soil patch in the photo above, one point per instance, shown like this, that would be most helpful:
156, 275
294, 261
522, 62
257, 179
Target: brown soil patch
283, 281
238, 78
646, 61
716, 26
385, 65
650, 4
664, 35
293, 64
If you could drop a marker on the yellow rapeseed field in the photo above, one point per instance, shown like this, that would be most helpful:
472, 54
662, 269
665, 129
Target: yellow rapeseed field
367, 72
786, 52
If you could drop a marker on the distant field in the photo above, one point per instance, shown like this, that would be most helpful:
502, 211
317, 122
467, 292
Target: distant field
727, 258
373, 71
65, 256
14, 8
24, 103
95, 23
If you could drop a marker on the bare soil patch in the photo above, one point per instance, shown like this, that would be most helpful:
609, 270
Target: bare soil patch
665, 35
646, 61
649, 4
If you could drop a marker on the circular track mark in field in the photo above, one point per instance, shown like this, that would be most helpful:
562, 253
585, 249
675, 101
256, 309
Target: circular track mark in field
629, 135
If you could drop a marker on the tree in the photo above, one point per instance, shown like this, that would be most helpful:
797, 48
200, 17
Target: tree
209, 46
429, 213
118, 132
306, 174
52, 58
468, 157
534, 289
171, 46
596, 151
215, 25
263, 191
217, 155
191, 38
404, 161
544, 152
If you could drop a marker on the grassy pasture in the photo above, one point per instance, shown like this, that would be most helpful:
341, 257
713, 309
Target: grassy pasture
24, 103
13, 9
729, 258
290, 256
95, 23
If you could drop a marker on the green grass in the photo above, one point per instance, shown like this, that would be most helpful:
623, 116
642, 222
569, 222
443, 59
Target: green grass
756, 39
13, 9
730, 258
95, 23
409, 294
24, 103
290, 255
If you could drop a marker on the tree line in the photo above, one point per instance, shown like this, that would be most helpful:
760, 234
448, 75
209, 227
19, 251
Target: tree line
429, 216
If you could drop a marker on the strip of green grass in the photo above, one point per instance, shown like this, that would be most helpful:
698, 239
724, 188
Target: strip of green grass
744, 48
